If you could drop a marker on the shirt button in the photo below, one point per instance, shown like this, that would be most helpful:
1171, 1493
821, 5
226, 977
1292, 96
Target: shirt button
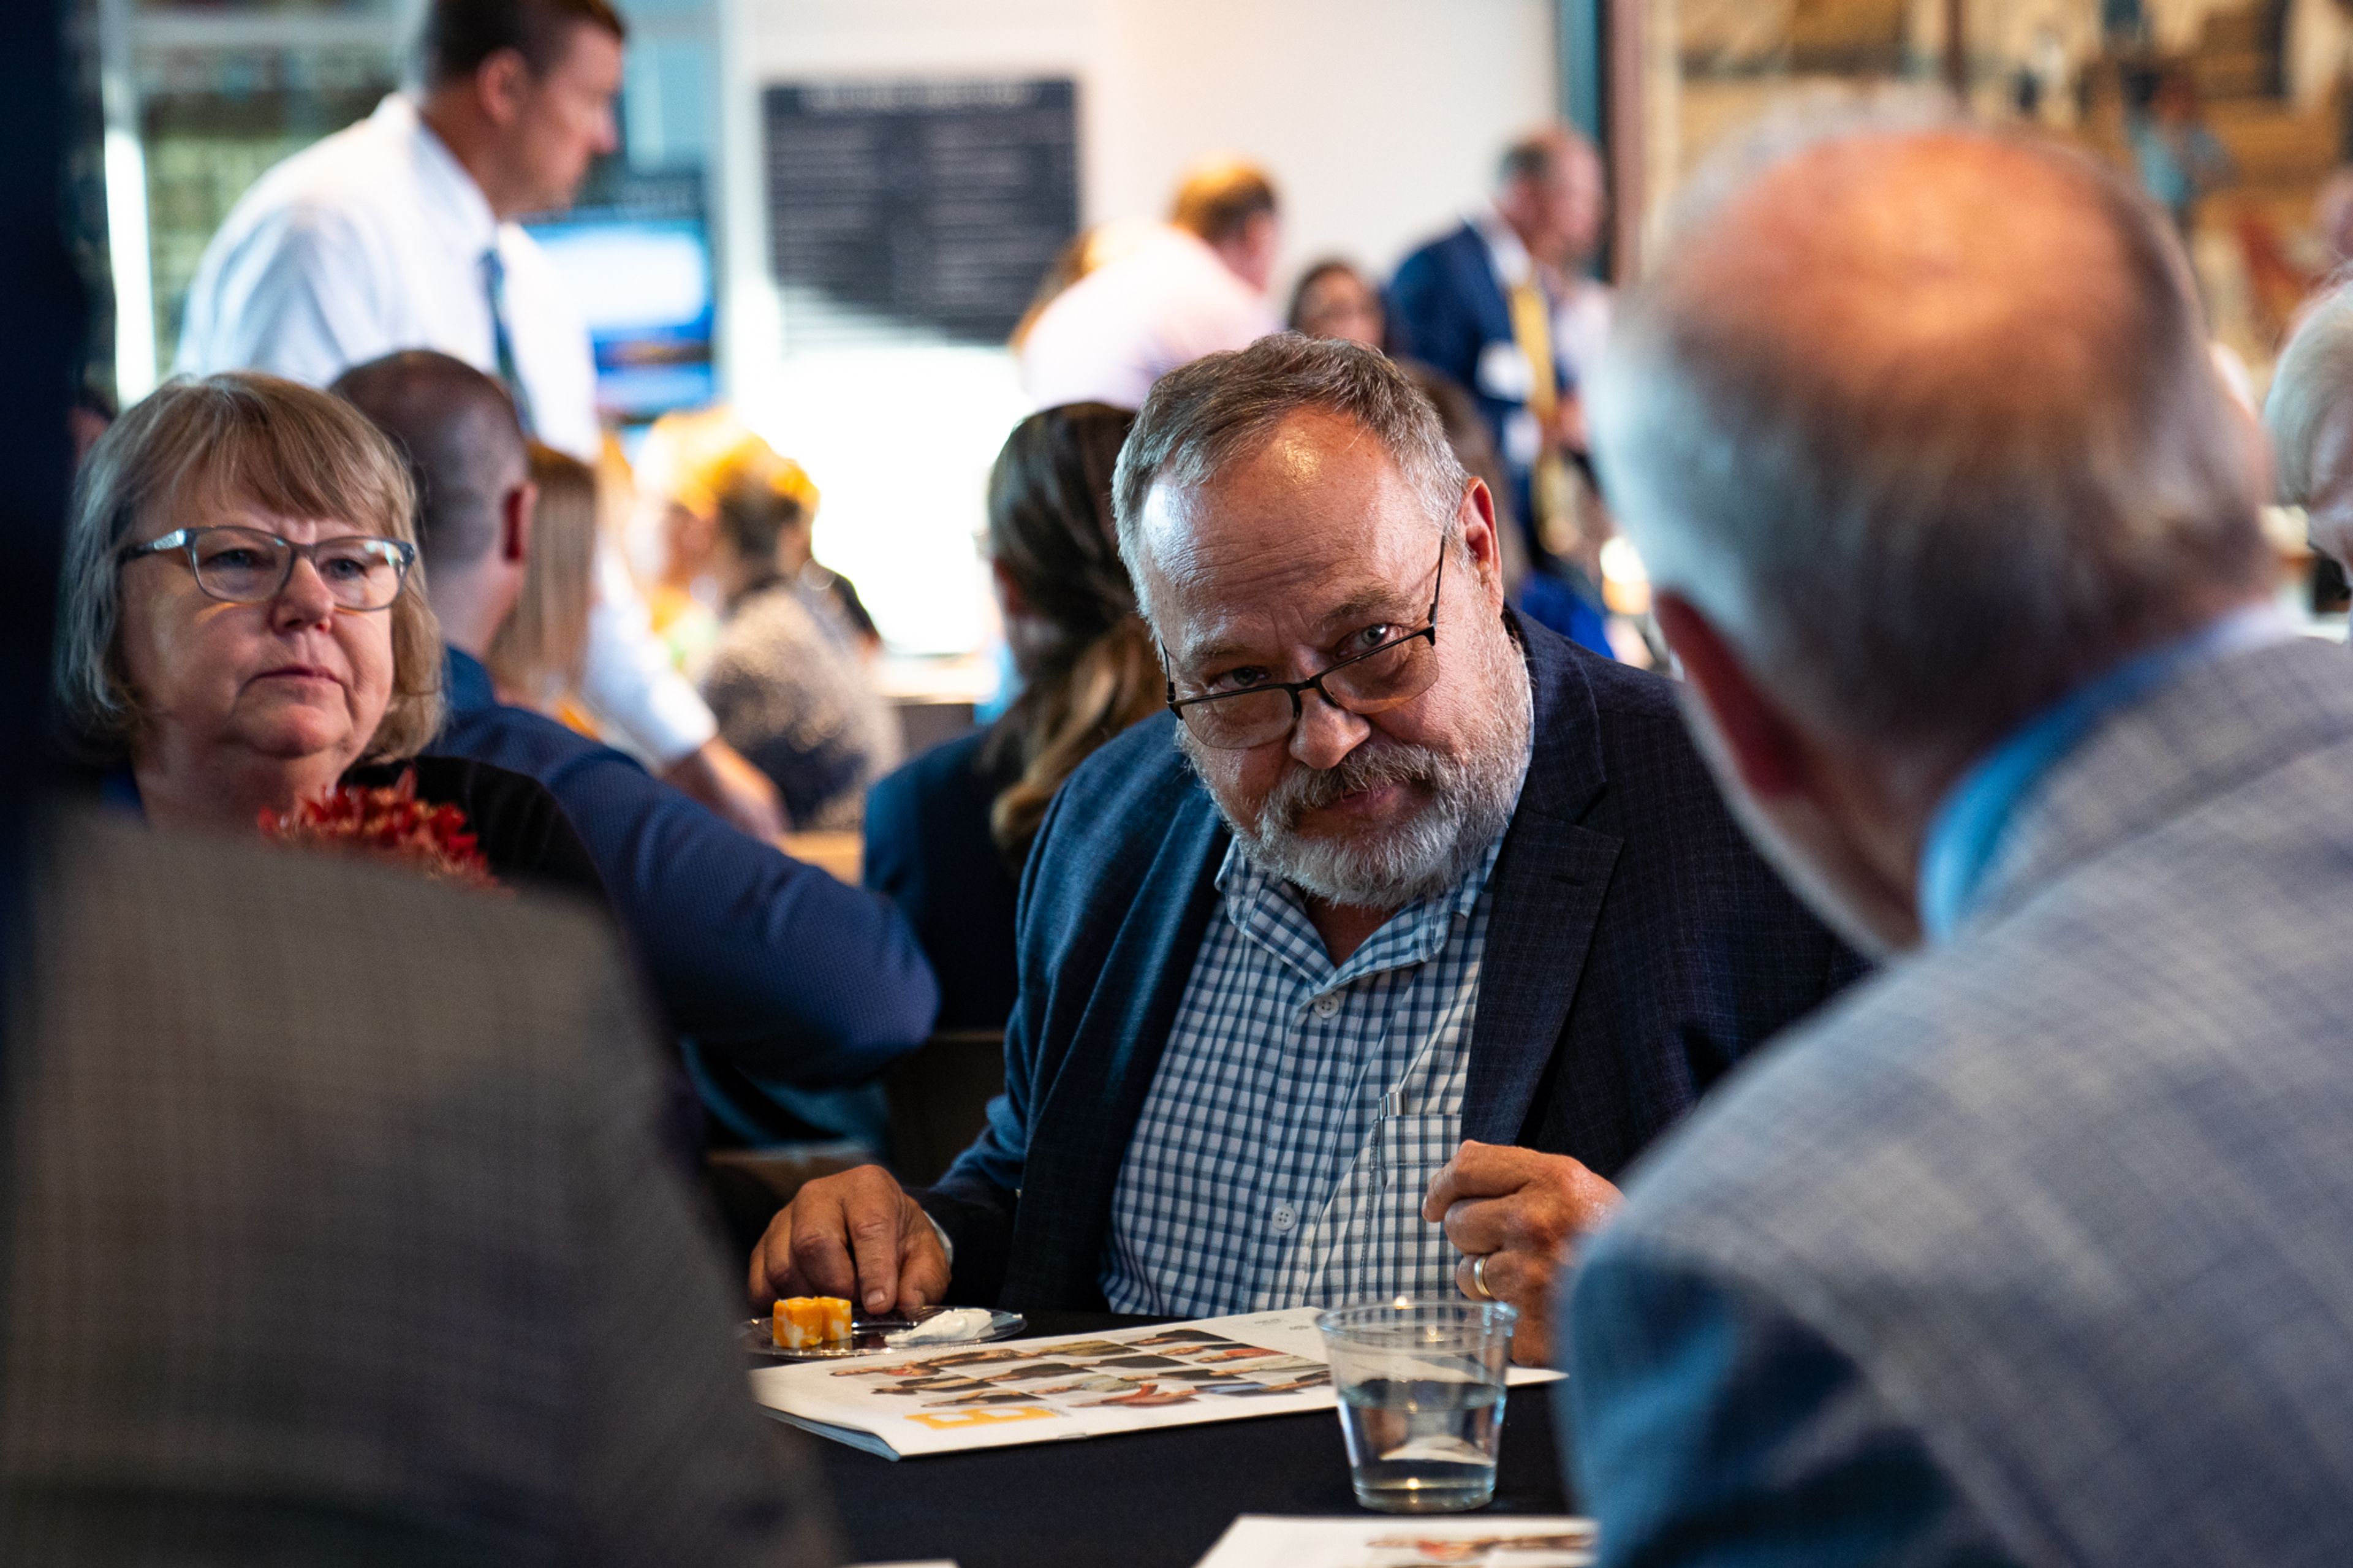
1326, 1005
1285, 1216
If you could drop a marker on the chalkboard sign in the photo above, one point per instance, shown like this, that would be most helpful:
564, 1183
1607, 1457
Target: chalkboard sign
931, 204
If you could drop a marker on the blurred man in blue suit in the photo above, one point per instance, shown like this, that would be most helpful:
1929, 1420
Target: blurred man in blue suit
781, 983
1500, 305
2040, 1248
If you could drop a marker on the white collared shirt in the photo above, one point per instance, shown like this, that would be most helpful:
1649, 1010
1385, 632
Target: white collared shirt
1167, 302
373, 241
1506, 254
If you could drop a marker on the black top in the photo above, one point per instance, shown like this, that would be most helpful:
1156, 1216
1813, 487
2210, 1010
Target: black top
516, 823
928, 849
520, 827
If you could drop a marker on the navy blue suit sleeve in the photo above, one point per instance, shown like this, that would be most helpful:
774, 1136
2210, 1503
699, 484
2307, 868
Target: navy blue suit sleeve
1711, 1428
764, 964
1430, 320
778, 967
974, 1201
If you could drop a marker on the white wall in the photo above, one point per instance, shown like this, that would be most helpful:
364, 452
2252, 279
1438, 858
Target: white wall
1379, 121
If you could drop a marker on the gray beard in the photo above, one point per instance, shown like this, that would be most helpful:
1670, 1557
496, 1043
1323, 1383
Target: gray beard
1470, 799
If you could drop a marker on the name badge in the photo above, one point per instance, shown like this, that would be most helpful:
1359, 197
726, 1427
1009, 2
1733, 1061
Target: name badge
1522, 439
1504, 372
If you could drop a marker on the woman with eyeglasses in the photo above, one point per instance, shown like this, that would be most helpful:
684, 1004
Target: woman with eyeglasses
243, 633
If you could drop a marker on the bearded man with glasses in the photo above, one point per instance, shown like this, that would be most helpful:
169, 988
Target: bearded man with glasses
1366, 970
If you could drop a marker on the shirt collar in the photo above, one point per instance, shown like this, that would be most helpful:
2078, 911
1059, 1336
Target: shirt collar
1967, 827
1504, 251
1272, 914
465, 684
468, 219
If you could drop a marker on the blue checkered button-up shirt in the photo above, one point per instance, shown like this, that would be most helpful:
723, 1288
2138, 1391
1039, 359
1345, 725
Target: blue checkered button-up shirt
1300, 1110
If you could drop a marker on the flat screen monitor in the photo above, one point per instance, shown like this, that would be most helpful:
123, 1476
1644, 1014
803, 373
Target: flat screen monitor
644, 285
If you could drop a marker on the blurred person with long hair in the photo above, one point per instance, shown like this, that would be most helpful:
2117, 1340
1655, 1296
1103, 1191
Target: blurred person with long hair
947, 834
1333, 298
536, 658
689, 461
786, 676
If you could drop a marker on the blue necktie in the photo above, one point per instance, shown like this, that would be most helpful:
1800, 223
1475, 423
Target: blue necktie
494, 277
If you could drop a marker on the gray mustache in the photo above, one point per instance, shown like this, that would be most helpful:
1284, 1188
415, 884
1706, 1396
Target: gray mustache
1366, 767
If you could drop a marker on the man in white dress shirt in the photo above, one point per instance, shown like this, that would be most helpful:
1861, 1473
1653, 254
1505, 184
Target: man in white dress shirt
399, 232
1195, 285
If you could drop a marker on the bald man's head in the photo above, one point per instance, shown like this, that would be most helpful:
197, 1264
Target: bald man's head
1938, 277
1925, 422
465, 449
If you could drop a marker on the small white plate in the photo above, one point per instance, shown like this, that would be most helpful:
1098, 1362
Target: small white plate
869, 1338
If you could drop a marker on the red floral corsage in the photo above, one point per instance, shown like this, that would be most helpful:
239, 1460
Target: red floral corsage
388, 822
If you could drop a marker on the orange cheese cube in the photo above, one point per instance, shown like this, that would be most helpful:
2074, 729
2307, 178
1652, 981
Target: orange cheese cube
805, 1322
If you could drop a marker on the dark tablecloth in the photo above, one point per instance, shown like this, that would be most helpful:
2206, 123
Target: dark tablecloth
1149, 1500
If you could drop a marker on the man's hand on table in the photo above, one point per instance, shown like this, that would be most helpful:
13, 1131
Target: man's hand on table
857, 1235
1520, 1211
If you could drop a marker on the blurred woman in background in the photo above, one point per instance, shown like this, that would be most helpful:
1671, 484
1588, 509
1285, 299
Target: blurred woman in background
946, 835
787, 678
686, 464
1333, 300
537, 655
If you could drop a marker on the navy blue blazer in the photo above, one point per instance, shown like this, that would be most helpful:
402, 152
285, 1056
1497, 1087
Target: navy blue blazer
1445, 307
772, 971
1638, 947
928, 849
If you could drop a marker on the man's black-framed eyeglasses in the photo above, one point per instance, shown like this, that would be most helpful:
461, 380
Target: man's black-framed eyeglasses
247, 566
1373, 681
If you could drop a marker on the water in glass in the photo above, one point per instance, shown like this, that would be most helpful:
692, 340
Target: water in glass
1420, 1386
1422, 1446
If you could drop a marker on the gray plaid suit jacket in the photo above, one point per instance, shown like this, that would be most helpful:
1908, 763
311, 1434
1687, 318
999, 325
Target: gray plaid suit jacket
341, 1233
2039, 1247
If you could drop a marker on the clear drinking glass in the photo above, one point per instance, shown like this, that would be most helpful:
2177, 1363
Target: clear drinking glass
1421, 1399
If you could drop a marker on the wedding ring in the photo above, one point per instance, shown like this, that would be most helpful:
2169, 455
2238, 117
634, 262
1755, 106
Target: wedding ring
1479, 1277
